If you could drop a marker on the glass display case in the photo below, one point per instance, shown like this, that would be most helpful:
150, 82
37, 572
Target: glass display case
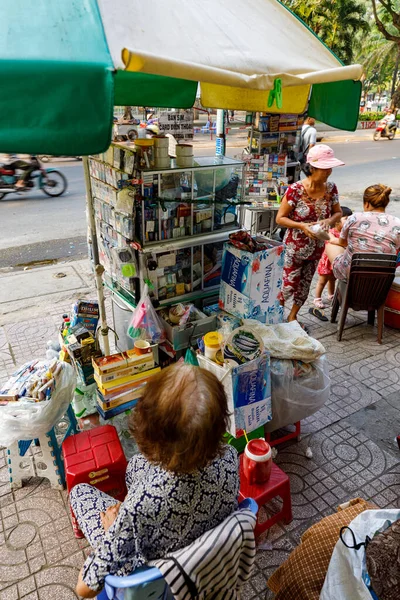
183, 271
178, 202
181, 218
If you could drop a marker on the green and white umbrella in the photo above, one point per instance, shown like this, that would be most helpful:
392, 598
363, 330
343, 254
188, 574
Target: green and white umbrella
64, 64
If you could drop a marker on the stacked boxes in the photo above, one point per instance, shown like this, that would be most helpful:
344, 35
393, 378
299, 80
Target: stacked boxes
250, 283
121, 379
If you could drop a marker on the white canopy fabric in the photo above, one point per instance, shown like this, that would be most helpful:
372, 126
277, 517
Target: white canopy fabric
237, 43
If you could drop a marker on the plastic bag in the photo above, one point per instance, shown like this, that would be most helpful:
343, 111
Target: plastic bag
347, 576
298, 390
145, 323
287, 340
23, 421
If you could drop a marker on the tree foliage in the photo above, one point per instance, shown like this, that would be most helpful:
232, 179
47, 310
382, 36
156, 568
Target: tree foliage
337, 22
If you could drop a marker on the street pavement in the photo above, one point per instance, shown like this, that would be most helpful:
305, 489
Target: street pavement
36, 228
352, 439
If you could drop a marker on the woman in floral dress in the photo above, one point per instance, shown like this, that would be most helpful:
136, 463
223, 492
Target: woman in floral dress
315, 199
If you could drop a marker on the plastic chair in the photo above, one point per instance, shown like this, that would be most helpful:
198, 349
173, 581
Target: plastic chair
370, 279
148, 582
206, 128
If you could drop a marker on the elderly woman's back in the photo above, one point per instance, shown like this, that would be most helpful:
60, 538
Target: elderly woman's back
184, 483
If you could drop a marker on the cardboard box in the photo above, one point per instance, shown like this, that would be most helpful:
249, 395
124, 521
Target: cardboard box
250, 283
248, 389
143, 365
122, 385
114, 362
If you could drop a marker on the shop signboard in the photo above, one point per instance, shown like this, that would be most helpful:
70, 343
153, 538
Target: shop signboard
178, 123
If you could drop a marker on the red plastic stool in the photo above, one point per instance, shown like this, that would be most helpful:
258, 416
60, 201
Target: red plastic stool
277, 485
95, 457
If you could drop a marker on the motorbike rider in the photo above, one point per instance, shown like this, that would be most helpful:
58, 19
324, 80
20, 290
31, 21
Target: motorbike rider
13, 162
390, 121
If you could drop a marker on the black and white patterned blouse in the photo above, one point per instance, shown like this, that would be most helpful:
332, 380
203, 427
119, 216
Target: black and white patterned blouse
162, 512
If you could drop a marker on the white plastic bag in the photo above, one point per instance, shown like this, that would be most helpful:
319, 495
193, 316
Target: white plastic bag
298, 390
23, 421
145, 324
347, 569
287, 340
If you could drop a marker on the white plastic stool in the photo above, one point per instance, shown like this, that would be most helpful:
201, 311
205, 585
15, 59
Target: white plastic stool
46, 463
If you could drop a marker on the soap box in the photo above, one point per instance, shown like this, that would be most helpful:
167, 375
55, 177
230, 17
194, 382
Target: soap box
250, 283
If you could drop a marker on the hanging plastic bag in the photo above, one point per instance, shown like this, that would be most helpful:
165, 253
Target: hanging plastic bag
145, 323
191, 358
25, 421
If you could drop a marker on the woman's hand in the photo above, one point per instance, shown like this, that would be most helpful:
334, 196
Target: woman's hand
107, 518
305, 228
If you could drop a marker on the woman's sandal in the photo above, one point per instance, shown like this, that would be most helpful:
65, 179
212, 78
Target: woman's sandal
316, 312
318, 303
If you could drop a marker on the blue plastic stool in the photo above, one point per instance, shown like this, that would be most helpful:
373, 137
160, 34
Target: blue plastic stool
49, 465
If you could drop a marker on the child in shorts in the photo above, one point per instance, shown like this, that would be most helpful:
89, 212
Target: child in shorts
326, 276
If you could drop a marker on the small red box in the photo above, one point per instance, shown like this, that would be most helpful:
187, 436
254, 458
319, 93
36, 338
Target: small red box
95, 457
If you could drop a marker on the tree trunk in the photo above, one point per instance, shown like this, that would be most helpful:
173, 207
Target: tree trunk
128, 113
396, 71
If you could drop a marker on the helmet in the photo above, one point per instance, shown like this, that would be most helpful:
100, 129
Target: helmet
153, 129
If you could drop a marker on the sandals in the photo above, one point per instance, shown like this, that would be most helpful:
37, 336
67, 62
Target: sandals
318, 303
316, 312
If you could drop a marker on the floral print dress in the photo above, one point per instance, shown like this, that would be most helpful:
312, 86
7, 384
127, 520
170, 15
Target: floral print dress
161, 513
367, 232
303, 253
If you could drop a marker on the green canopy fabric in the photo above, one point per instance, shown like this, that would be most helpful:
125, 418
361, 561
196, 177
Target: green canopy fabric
62, 68
336, 103
56, 74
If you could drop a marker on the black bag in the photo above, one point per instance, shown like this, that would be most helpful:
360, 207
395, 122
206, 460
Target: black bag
302, 154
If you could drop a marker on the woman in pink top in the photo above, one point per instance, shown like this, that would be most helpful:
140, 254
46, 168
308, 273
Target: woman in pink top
365, 232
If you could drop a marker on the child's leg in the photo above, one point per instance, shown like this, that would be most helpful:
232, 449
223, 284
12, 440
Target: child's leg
331, 285
322, 281
87, 502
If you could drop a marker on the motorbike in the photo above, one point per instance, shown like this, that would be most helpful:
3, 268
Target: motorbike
385, 129
50, 181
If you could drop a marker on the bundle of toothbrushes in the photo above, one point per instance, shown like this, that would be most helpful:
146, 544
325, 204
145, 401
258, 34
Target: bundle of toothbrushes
35, 399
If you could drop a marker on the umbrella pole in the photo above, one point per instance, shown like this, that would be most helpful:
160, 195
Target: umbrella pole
98, 268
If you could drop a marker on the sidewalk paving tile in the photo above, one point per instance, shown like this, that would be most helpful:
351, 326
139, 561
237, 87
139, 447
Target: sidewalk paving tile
39, 555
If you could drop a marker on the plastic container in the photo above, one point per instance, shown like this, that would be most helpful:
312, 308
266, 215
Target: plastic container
145, 153
184, 162
162, 163
160, 152
392, 305
161, 141
212, 343
184, 151
257, 461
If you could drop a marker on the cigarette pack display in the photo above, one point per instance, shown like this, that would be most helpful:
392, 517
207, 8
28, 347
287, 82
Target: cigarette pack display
145, 365
121, 385
122, 360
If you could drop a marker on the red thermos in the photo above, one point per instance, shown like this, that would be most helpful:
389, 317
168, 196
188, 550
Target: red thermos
257, 461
